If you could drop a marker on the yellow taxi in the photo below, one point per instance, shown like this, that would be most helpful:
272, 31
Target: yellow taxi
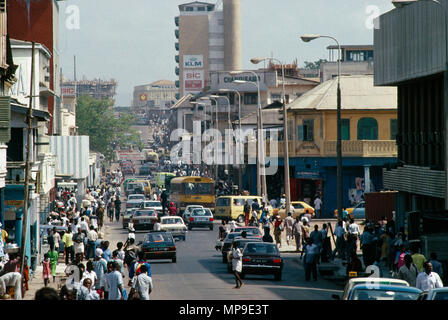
299, 208
232, 207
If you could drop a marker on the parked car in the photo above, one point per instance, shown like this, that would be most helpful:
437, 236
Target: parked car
175, 225
144, 219
159, 245
383, 292
240, 242
357, 212
368, 280
262, 258
201, 218
188, 210
434, 294
299, 208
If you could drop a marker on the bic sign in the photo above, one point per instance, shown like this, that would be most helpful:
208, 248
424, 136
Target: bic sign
192, 62
193, 76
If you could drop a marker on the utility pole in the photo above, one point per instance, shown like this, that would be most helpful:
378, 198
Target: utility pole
29, 121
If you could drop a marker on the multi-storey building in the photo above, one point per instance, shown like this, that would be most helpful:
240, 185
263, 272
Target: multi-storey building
411, 54
209, 40
158, 95
97, 88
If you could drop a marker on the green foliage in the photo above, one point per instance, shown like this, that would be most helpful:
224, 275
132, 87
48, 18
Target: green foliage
314, 65
95, 118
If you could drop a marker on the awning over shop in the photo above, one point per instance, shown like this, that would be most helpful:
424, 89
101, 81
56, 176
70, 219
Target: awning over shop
40, 115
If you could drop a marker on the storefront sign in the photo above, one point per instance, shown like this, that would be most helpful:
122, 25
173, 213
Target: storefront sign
193, 61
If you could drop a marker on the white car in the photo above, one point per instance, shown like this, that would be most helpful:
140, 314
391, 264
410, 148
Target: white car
434, 294
175, 225
188, 210
150, 204
368, 280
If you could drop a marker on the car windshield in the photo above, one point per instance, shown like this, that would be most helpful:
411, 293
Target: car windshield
261, 248
136, 197
255, 231
232, 235
159, 237
149, 213
201, 212
366, 294
190, 209
198, 188
241, 243
297, 206
152, 204
172, 221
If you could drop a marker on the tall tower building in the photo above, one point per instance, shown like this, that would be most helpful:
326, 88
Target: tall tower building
207, 41
232, 34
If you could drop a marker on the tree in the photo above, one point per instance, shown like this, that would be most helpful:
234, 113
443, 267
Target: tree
95, 118
314, 65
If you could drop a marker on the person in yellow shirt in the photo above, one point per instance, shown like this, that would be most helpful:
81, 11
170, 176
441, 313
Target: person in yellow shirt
418, 259
67, 239
4, 234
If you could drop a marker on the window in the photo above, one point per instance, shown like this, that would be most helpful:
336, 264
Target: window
393, 129
345, 129
367, 129
276, 96
189, 9
305, 132
250, 98
201, 8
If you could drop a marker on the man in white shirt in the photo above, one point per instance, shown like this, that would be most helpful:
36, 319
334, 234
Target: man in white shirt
115, 283
317, 206
11, 279
142, 283
92, 237
84, 226
352, 238
427, 279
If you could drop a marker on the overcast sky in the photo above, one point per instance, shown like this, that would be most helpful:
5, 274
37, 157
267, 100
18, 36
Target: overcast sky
133, 41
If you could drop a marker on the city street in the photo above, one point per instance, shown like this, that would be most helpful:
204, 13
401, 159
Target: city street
199, 273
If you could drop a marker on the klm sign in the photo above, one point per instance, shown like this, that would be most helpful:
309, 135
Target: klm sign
193, 61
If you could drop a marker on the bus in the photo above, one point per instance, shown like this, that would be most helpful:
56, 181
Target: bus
186, 191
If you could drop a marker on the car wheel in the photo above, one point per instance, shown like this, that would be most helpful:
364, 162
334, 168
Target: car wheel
241, 219
224, 259
278, 276
174, 260
189, 228
211, 228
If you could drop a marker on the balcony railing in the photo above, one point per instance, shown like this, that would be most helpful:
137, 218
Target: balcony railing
362, 148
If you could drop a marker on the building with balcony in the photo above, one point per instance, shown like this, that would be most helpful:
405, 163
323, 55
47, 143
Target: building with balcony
411, 54
369, 127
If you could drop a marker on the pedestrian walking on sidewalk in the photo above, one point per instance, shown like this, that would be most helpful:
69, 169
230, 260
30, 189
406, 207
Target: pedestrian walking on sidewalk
46, 269
297, 233
317, 206
289, 222
409, 271
237, 265
278, 229
340, 241
352, 238
78, 240
115, 283
246, 213
67, 239
54, 257
311, 258
117, 209
428, 279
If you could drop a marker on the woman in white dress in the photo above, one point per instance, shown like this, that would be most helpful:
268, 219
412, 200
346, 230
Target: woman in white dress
237, 265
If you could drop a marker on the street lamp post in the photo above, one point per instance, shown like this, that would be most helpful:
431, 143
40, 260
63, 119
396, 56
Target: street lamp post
308, 38
285, 131
240, 142
261, 174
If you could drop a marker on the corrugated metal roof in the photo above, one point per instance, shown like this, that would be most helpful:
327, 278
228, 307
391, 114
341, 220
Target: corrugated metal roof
358, 92
72, 155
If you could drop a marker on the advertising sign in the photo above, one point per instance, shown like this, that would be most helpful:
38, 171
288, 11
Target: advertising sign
68, 91
193, 61
193, 80
133, 156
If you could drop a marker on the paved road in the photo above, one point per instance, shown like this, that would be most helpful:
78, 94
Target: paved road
199, 273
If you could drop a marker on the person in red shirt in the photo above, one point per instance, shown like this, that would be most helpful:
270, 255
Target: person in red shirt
172, 209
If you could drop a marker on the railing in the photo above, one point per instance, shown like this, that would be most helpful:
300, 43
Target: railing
362, 148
